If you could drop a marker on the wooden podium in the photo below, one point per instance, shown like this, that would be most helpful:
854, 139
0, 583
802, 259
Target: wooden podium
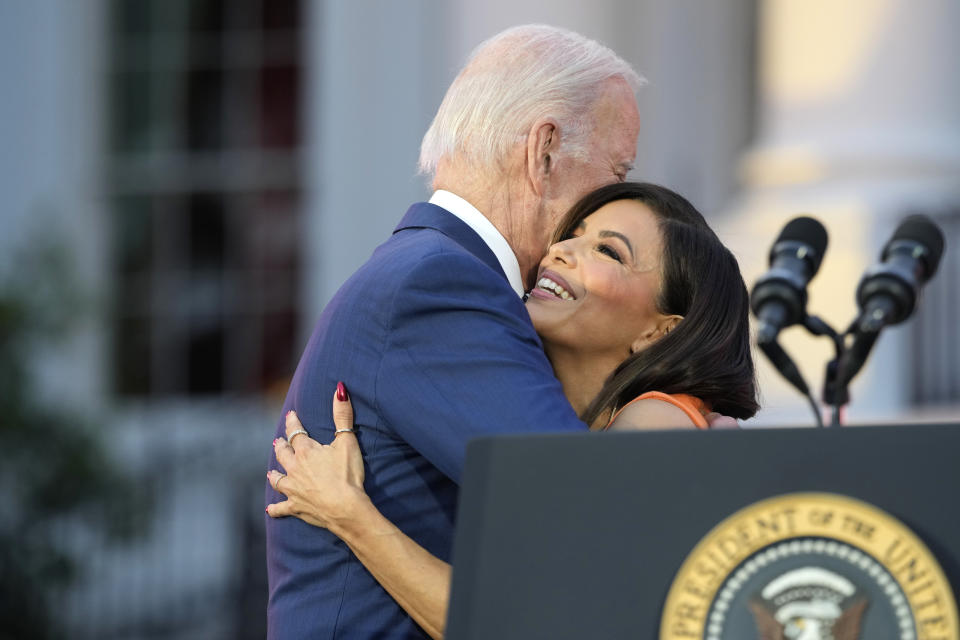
717, 535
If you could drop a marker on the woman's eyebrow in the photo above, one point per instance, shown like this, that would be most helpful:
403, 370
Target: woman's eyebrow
617, 234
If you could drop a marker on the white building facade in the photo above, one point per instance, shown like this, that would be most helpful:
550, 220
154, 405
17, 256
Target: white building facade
216, 169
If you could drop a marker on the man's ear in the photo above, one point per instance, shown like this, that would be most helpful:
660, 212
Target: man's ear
662, 327
542, 141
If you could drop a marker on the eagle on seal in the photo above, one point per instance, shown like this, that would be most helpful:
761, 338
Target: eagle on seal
808, 603
844, 627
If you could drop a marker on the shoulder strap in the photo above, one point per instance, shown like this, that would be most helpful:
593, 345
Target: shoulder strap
693, 407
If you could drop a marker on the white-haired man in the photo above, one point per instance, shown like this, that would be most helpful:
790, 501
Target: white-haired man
431, 334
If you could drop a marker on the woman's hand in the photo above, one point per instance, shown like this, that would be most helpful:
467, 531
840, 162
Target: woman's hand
324, 487
323, 483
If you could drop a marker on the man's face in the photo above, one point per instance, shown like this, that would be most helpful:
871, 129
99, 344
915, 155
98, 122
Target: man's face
610, 156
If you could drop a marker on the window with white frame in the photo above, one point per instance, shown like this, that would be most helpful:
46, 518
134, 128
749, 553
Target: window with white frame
203, 187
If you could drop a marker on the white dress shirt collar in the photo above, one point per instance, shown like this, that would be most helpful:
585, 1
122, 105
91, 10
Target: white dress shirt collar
472, 217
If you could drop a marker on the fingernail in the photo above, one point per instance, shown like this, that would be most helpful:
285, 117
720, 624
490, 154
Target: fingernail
268, 473
342, 392
267, 509
289, 412
275, 441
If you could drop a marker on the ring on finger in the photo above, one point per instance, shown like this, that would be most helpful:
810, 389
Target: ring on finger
344, 431
295, 434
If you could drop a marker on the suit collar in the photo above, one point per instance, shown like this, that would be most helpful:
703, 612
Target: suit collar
424, 215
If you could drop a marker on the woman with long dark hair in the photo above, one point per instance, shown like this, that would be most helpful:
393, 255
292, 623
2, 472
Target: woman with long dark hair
643, 314
703, 347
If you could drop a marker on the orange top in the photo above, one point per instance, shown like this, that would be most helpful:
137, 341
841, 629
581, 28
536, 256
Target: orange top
694, 407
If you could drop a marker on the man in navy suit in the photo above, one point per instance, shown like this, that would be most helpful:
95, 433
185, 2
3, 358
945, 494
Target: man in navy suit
431, 335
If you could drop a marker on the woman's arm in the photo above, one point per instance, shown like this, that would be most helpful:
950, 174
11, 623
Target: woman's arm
415, 578
324, 487
650, 414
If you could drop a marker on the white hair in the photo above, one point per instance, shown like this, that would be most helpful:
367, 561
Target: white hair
513, 79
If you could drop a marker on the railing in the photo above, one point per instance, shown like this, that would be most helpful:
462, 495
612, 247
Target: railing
198, 571
935, 332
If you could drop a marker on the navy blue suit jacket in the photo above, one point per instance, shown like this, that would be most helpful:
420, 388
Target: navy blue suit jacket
435, 348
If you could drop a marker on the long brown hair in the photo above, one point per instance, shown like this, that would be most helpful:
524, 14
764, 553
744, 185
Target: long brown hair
707, 354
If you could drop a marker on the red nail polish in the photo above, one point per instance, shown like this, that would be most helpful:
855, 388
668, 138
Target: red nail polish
275, 441
267, 510
342, 392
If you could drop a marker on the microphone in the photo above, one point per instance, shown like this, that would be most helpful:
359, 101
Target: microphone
779, 298
887, 293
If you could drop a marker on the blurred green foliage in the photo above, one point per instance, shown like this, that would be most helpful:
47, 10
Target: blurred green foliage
55, 477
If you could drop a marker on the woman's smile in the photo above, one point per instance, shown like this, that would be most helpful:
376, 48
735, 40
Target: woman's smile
550, 285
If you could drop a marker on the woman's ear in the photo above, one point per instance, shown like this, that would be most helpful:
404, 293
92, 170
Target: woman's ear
664, 325
669, 323
542, 141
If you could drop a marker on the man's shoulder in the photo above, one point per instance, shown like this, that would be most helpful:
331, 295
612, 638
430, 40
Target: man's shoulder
416, 256
418, 243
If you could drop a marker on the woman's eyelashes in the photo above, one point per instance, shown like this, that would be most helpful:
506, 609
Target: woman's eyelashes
609, 251
603, 248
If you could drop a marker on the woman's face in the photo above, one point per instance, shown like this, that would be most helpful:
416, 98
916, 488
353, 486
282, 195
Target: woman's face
596, 292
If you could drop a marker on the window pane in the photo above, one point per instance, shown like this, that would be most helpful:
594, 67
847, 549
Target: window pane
279, 331
132, 355
206, 16
281, 14
279, 99
205, 361
240, 116
207, 229
166, 133
245, 15
171, 16
132, 16
132, 235
205, 127
131, 116
204, 109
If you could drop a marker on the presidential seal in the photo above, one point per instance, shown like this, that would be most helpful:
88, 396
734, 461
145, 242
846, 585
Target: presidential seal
810, 566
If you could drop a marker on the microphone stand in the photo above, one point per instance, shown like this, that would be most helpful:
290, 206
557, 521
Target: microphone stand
851, 349
788, 369
849, 361
818, 327
785, 365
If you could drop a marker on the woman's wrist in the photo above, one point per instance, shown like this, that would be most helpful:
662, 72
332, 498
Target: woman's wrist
358, 517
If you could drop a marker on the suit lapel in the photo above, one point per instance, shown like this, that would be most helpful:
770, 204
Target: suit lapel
424, 215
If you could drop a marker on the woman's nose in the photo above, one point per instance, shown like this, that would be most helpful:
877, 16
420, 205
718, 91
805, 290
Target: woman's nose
562, 252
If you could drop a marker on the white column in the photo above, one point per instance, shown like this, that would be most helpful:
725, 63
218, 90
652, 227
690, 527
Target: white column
372, 89
51, 128
859, 114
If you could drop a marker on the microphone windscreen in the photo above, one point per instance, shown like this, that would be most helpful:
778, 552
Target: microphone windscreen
924, 231
808, 231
